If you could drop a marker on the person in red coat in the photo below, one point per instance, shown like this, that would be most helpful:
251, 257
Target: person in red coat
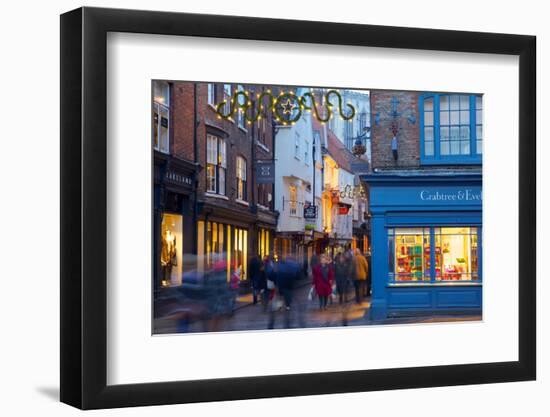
323, 277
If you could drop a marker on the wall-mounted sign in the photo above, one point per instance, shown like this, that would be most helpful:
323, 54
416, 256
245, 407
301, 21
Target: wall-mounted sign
310, 211
466, 194
265, 171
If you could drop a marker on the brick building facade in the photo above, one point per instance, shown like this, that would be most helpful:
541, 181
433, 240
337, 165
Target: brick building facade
395, 113
425, 202
225, 215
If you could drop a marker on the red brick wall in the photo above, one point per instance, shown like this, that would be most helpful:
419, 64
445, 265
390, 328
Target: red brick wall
182, 121
238, 141
408, 135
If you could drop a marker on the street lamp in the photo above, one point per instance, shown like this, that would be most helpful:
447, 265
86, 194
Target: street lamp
359, 148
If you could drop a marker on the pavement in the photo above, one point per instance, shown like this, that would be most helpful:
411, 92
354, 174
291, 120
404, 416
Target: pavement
303, 313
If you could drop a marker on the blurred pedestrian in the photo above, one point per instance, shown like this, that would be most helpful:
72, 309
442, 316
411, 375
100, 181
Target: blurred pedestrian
269, 272
323, 278
361, 270
288, 271
257, 277
234, 282
314, 261
342, 272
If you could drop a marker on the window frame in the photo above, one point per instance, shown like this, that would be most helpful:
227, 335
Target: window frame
240, 163
219, 166
211, 94
472, 158
227, 97
241, 123
157, 107
293, 204
391, 274
297, 146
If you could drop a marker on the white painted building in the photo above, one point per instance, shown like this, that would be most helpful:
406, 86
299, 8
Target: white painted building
347, 131
297, 181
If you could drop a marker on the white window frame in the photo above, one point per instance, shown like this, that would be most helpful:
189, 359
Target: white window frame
158, 107
293, 203
217, 158
227, 98
240, 166
240, 112
211, 94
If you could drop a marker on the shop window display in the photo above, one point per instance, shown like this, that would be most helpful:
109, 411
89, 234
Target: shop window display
171, 249
410, 254
263, 243
240, 252
222, 242
454, 253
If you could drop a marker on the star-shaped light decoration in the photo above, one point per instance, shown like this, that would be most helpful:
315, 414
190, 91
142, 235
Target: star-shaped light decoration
288, 107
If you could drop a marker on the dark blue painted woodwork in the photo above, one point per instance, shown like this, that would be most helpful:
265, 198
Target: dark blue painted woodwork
438, 158
421, 199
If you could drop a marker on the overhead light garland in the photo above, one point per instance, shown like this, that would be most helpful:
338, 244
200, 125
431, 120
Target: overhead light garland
287, 107
352, 192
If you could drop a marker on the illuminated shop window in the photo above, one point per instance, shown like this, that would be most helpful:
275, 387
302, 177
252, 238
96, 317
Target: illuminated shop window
171, 238
454, 251
263, 242
410, 254
456, 254
239, 258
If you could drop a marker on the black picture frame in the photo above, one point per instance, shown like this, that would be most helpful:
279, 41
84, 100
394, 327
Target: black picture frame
84, 207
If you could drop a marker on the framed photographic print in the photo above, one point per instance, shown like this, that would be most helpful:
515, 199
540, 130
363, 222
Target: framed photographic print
258, 208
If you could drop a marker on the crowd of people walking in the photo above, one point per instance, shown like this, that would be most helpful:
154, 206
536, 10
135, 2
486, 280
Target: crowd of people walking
286, 289
331, 279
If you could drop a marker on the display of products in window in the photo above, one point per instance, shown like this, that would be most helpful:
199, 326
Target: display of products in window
411, 263
455, 254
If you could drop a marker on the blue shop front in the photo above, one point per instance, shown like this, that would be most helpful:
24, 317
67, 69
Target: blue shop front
426, 243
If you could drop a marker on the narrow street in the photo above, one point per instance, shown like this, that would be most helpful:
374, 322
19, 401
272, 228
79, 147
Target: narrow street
303, 313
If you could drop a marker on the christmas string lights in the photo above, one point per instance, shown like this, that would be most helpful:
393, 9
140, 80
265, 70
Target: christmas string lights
287, 107
352, 192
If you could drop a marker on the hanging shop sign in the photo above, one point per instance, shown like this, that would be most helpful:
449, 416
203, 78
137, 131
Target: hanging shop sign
343, 209
287, 107
310, 211
265, 171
